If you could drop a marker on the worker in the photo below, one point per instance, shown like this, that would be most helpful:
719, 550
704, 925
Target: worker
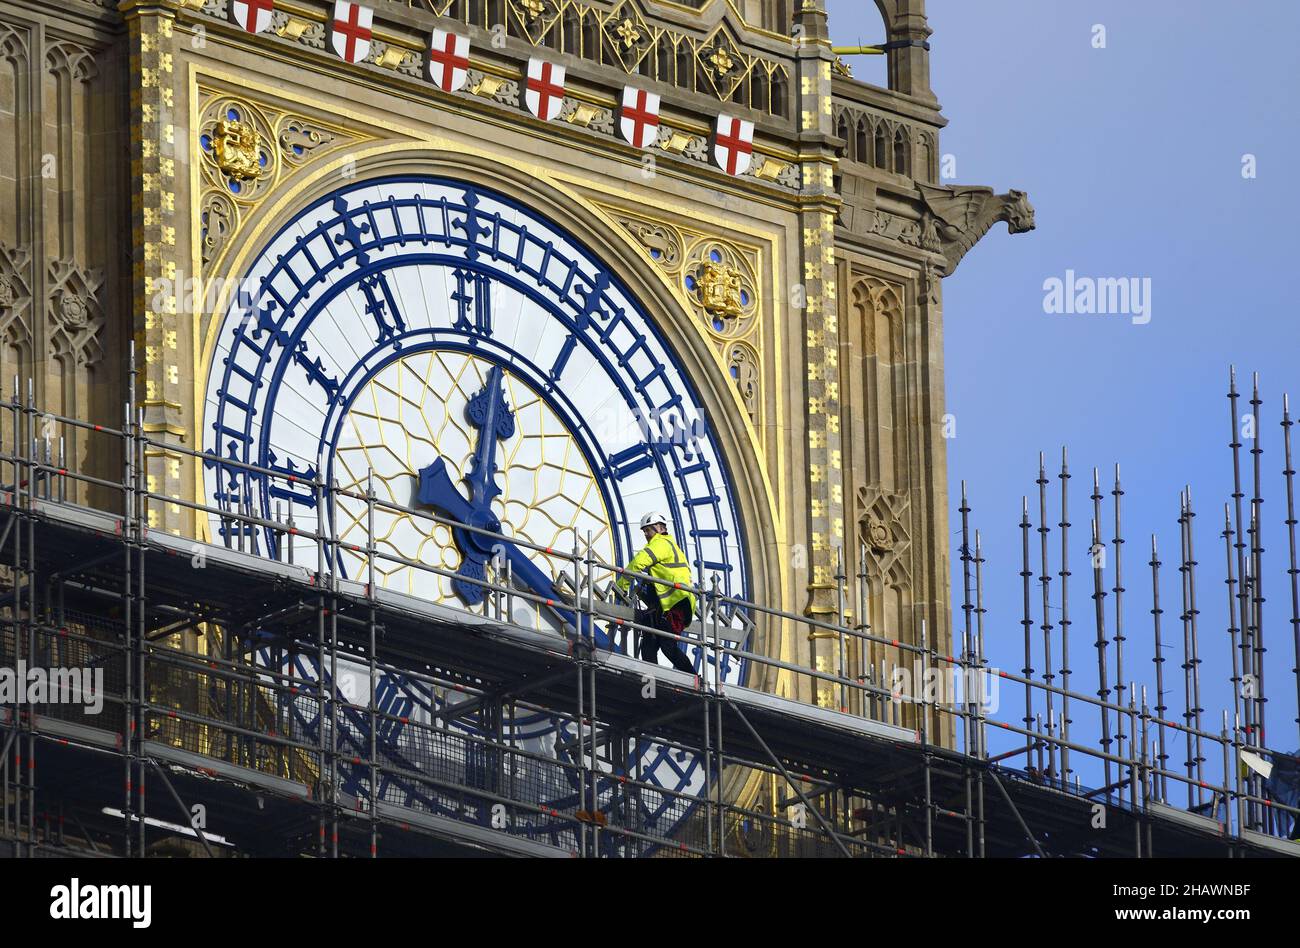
669, 606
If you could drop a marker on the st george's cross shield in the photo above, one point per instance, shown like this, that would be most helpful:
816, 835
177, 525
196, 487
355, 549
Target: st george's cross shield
733, 145
253, 15
448, 60
350, 30
544, 93
639, 118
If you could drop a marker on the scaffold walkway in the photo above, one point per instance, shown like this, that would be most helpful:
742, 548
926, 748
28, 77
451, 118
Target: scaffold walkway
233, 721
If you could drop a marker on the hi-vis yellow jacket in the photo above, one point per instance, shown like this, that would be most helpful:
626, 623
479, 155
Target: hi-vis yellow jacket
663, 559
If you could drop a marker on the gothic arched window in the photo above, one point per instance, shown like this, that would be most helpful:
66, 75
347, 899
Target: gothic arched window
902, 155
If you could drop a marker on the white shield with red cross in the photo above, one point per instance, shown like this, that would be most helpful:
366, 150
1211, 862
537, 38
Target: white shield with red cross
544, 93
733, 145
350, 30
253, 15
448, 60
639, 118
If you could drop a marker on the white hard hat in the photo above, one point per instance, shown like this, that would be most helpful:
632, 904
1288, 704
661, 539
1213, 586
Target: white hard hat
650, 519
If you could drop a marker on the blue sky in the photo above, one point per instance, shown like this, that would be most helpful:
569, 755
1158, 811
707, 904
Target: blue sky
1132, 155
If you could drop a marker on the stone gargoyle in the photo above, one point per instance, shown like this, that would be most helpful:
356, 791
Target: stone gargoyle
954, 218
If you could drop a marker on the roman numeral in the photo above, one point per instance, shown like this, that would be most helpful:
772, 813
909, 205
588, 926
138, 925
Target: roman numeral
379, 303
626, 463
284, 487
473, 299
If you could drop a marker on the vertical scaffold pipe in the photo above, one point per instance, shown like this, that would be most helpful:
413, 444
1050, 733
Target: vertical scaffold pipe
715, 591
1193, 612
1243, 595
967, 662
1147, 779
840, 598
967, 608
1231, 583
1249, 734
1158, 659
1028, 670
1117, 541
6, 760
1257, 571
335, 560
1044, 580
141, 631
1099, 614
925, 741
864, 626
1288, 472
1190, 763
323, 793
372, 698
1064, 478
129, 500
981, 665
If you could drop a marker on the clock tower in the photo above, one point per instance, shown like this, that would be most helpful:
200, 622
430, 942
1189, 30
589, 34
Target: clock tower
538, 265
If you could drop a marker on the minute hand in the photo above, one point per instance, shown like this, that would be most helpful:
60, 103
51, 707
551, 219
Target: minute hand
438, 491
489, 413
540, 584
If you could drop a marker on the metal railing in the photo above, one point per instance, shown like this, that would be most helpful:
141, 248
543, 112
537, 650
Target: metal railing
253, 707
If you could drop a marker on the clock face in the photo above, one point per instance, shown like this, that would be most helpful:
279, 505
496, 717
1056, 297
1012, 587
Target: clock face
463, 357
413, 410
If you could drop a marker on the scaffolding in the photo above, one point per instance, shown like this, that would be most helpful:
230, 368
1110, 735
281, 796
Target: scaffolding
258, 704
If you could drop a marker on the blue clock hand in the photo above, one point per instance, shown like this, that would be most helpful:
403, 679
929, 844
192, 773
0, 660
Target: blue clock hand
541, 585
438, 491
488, 412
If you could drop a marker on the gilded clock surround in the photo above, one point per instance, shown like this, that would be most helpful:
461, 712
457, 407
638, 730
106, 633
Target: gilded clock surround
407, 150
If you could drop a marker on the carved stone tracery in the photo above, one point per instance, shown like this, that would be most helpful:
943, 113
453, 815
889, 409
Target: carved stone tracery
718, 63
75, 314
15, 295
76, 62
885, 531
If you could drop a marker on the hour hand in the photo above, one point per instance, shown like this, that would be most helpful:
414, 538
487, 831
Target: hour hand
436, 490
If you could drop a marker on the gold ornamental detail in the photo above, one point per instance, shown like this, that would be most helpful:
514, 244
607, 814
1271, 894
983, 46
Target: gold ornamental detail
724, 63
721, 282
628, 34
721, 61
720, 290
236, 146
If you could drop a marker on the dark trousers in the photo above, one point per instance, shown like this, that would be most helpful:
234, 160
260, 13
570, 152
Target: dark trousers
652, 644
